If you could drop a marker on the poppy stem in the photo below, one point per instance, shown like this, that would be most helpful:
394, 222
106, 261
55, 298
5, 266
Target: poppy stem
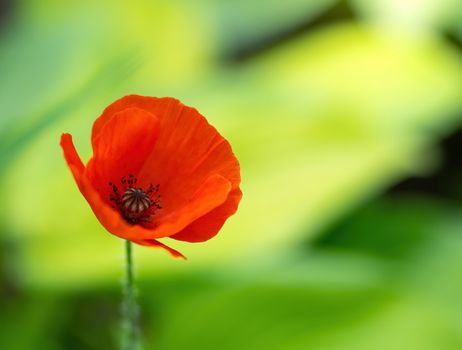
130, 310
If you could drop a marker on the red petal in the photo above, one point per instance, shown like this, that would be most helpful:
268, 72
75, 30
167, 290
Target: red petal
210, 195
107, 216
154, 243
187, 153
121, 148
194, 165
72, 158
208, 225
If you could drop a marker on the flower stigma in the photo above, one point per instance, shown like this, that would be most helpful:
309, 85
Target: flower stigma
136, 205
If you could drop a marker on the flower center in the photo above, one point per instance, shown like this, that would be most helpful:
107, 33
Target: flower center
136, 205
136, 200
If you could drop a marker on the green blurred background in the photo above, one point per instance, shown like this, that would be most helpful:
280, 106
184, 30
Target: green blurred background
347, 119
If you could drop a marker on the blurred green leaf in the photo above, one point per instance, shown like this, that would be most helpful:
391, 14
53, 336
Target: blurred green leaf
264, 317
410, 225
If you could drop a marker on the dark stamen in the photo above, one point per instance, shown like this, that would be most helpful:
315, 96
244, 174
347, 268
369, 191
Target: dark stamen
135, 204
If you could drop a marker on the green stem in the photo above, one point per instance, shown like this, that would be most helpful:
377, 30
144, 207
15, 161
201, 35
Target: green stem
130, 312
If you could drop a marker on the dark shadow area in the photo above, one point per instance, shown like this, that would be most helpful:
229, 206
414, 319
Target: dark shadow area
10, 286
445, 182
6, 13
454, 39
399, 222
340, 11
91, 322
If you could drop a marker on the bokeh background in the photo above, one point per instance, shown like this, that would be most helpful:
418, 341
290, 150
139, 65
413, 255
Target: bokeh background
347, 119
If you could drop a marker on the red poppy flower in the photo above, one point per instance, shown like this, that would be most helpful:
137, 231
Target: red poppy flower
158, 170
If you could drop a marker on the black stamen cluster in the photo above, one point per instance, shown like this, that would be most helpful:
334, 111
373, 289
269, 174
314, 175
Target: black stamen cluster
135, 204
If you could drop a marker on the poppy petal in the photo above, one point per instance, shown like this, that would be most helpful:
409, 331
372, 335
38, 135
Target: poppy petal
213, 192
72, 158
167, 144
209, 196
106, 215
155, 243
121, 147
208, 225
187, 152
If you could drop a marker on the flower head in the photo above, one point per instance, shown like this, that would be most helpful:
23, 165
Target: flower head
158, 170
